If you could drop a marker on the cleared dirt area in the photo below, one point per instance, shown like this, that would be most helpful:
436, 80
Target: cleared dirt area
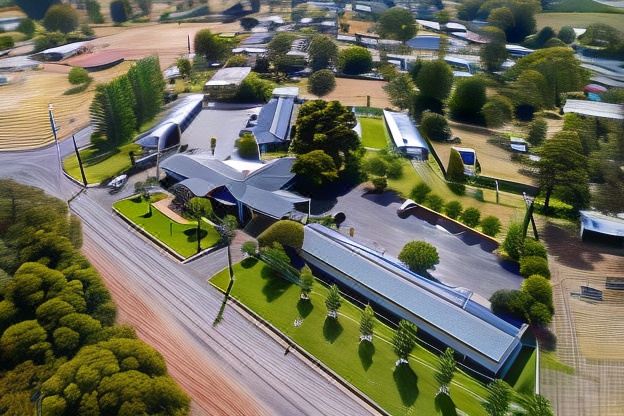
495, 161
353, 92
589, 336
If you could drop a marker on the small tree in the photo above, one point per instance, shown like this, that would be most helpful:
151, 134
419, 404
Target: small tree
247, 146
498, 399
435, 127
249, 23
198, 208
539, 288
333, 302
323, 52
380, 183
367, 323
446, 370
143, 189
567, 34
250, 248
514, 240
185, 67
306, 282
213, 144
404, 341
119, 10
453, 209
455, 169
534, 248
397, 23
400, 90
94, 11
315, 168
61, 18
6, 42
209, 45
537, 405
419, 256
78, 76
471, 217
355, 60
537, 131
434, 79
321, 82
497, 111
434, 202
491, 225
419, 192
27, 27
468, 99
534, 265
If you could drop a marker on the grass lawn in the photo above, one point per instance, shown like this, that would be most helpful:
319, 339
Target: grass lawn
100, 164
521, 376
370, 368
374, 133
556, 20
181, 238
582, 6
549, 361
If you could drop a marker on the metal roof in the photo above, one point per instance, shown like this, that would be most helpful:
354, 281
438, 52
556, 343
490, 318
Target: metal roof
229, 76
603, 224
64, 49
428, 24
274, 120
424, 42
444, 308
595, 109
403, 132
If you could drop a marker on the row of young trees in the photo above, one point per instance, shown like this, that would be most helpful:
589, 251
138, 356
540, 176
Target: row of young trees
58, 338
121, 106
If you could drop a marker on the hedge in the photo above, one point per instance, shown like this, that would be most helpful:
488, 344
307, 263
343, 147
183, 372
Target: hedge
531, 265
286, 232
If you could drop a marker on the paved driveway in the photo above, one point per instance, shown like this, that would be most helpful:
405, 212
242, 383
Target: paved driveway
462, 264
222, 124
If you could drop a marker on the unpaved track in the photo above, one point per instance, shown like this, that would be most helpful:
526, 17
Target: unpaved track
231, 369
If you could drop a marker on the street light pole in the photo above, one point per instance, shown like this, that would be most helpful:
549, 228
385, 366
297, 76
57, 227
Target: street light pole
56, 142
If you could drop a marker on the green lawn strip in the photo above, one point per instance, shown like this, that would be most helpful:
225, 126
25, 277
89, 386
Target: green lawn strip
582, 6
549, 361
374, 133
100, 164
557, 20
371, 369
180, 238
521, 375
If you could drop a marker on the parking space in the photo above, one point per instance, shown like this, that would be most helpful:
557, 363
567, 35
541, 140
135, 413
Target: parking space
224, 124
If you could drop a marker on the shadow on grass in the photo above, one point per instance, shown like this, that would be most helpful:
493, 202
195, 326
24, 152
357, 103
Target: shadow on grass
445, 405
332, 329
366, 350
248, 262
304, 307
147, 215
275, 286
191, 234
407, 384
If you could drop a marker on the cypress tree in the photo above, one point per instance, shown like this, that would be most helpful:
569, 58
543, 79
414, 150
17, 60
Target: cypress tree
455, 170
148, 85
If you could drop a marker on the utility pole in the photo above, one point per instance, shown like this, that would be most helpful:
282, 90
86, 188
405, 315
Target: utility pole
82, 172
528, 217
188, 44
58, 147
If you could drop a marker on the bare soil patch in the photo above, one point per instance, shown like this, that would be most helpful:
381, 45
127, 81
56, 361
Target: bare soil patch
353, 92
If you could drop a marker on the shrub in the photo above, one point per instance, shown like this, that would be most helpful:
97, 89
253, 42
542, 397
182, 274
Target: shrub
236, 60
457, 188
531, 265
419, 256
539, 314
497, 111
78, 76
61, 18
491, 226
471, 217
537, 131
254, 89
27, 27
567, 34
539, 288
514, 243
286, 232
455, 169
380, 183
453, 209
6, 42
248, 23
247, 146
533, 248
511, 304
419, 192
468, 99
355, 60
435, 127
250, 248
119, 10
321, 82
434, 202
49, 40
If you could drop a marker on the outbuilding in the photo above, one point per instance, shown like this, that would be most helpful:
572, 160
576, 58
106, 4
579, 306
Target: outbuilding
405, 135
225, 82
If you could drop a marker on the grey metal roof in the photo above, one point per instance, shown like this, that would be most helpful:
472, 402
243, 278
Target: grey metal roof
403, 131
600, 223
595, 109
424, 42
233, 75
261, 190
440, 306
274, 120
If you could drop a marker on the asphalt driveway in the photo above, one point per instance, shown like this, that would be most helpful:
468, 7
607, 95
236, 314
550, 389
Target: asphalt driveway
462, 264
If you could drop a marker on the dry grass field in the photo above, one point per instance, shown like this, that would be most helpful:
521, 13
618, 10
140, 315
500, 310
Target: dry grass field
353, 92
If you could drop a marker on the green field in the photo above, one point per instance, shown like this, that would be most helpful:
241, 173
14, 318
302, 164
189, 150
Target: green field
374, 133
181, 238
581, 6
370, 368
100, 164
557, 20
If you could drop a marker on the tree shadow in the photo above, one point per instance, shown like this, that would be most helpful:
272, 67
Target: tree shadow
444, 404
384, 199
191, 234
332, 329
147, 215
407, 384
366, 350
275, 286
249, 262
304, 307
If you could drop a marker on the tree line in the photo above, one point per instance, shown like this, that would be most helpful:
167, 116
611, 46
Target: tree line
61, 350
121, 106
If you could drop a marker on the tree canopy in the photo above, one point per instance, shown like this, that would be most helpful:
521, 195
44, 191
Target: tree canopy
419, 256
355, 60
397, 23
434, 79
321, 82
209, 45
61, 18
323, 52
468, 99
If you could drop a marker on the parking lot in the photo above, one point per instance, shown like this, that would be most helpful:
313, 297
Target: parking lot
223, 123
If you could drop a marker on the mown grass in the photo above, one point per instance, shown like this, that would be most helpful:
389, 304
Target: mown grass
369, 367
374, 133
181, 238
521, 376
557, 20
581, 6
100, 163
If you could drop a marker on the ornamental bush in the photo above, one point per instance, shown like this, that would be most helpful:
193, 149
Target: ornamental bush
78, 76
321, 82
514, 242
435, 127
434, 202
419, 256
61, 18
455, 169
534, 248
419, 192
453, 209
491, 225
286, 232
539, 288
355, 60
531, 265
471, 217
247, 147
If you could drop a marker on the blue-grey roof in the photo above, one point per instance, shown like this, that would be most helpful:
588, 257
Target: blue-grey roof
261, 190
600, 223
274, 121
403, 131
424, 42
446, 309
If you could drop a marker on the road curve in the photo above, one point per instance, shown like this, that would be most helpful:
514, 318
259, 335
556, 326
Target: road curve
232, 369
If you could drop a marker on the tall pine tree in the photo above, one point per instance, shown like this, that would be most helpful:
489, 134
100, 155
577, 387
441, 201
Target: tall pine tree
148, 85
112, 114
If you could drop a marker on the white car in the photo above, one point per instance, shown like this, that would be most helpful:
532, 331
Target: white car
118, 182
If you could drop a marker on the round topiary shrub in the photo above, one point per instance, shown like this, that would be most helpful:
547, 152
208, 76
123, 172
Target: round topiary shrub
533, 248
534, 265
286, 232
491, 225
514, 242
78, 76
419, 256
419, 192
453, 209
321, 82
471, 217
434, 202
247, 147
435, 127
